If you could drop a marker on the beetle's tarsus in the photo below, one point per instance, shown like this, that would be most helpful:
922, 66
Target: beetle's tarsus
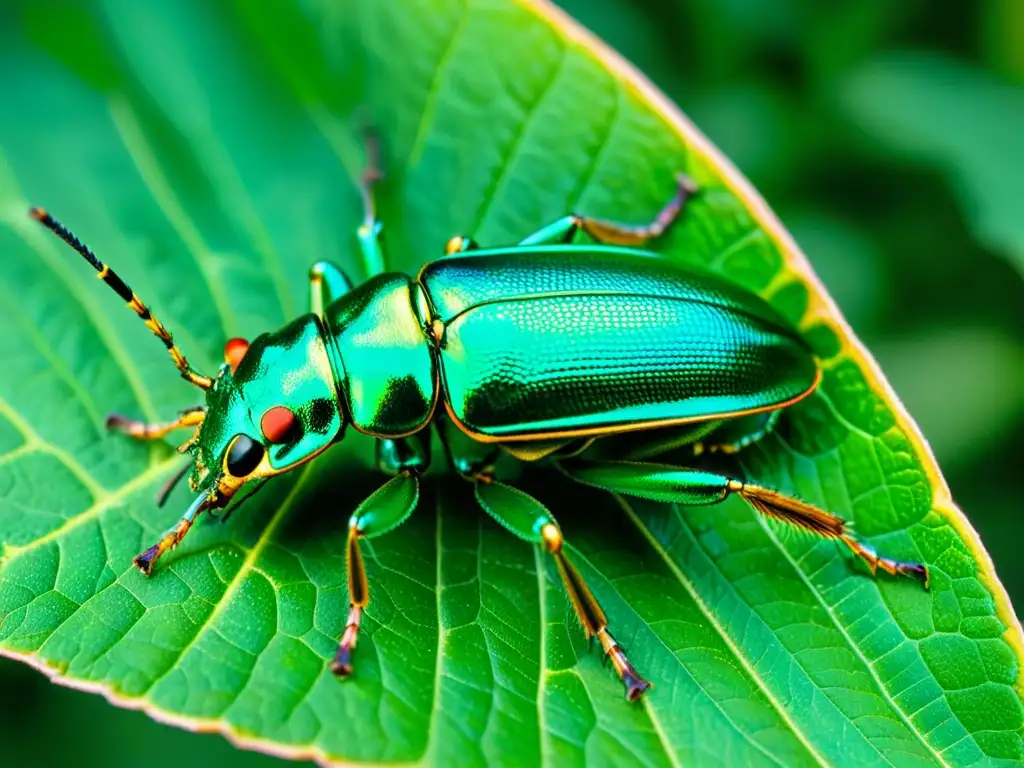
341, 666
918, 571
825, 524
687, 186
634, 684
591, 616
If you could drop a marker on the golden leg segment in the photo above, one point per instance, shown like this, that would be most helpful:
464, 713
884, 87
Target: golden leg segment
773, 504
359, 598
172, 537
624, 234
143, 431
591, 616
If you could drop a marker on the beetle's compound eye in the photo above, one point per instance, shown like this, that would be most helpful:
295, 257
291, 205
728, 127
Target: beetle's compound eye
244, 455
234, 351
278, 424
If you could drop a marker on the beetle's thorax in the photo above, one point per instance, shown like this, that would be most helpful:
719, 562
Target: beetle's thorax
385, 363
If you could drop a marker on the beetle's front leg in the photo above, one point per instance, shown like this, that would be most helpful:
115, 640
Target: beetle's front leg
531, 521
615, 233
140, 430
666, 483
385, 510
327, 283
172, 537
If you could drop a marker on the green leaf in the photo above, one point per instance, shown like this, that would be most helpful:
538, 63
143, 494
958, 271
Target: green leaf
961, 119
209, 151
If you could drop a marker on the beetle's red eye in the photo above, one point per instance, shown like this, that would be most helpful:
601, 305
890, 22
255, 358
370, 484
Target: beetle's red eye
278, 424
234, 351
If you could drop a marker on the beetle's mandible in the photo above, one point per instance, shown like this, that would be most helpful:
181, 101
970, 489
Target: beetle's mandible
593, 357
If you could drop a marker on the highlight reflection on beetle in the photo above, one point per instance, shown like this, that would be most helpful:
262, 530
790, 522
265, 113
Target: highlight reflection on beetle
583, 355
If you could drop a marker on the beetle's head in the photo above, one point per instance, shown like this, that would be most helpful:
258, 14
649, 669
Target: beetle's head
272, 407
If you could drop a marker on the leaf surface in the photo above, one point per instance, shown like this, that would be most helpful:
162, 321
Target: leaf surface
210, 151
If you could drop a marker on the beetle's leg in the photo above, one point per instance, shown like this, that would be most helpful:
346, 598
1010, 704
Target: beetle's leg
404, 454
388, 507
716, 436
172, 537
662, 482
563, 230
734, 435
642, 445
460, 244
192, 417
368, 233
327, 282
531, 521
471, 459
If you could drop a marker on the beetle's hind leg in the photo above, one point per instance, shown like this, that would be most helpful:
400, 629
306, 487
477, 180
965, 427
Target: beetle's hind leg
666, 483
612, 232
530, 520
385, 510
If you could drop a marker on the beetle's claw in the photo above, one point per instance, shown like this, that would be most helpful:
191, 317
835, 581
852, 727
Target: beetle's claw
342, 664
144, 562
635, 685
917, 571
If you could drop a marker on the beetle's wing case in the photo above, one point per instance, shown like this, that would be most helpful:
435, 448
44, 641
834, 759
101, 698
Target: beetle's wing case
566, 340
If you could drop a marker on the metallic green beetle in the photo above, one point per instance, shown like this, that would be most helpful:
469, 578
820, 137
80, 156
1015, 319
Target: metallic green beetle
577, 354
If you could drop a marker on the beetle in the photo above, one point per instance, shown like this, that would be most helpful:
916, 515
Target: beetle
594, 356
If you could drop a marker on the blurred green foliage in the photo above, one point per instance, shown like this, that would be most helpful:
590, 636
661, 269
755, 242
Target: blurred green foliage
886, 136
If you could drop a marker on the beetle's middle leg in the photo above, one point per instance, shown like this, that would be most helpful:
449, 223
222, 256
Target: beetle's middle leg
667, 483
531, 521
615, 233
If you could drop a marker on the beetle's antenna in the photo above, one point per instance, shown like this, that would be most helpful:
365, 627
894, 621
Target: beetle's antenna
168, 487
111, 278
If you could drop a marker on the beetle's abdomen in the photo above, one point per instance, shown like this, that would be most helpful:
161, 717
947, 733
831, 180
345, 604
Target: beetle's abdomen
558, 341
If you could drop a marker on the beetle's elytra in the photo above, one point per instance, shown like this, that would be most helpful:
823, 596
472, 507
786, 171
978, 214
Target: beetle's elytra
585, 356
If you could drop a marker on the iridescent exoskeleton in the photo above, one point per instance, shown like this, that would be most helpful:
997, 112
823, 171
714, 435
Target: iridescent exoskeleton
551, 350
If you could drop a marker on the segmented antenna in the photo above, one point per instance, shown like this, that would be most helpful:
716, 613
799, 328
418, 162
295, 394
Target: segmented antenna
111, 278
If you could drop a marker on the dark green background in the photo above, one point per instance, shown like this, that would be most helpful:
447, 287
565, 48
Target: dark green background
881, 133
